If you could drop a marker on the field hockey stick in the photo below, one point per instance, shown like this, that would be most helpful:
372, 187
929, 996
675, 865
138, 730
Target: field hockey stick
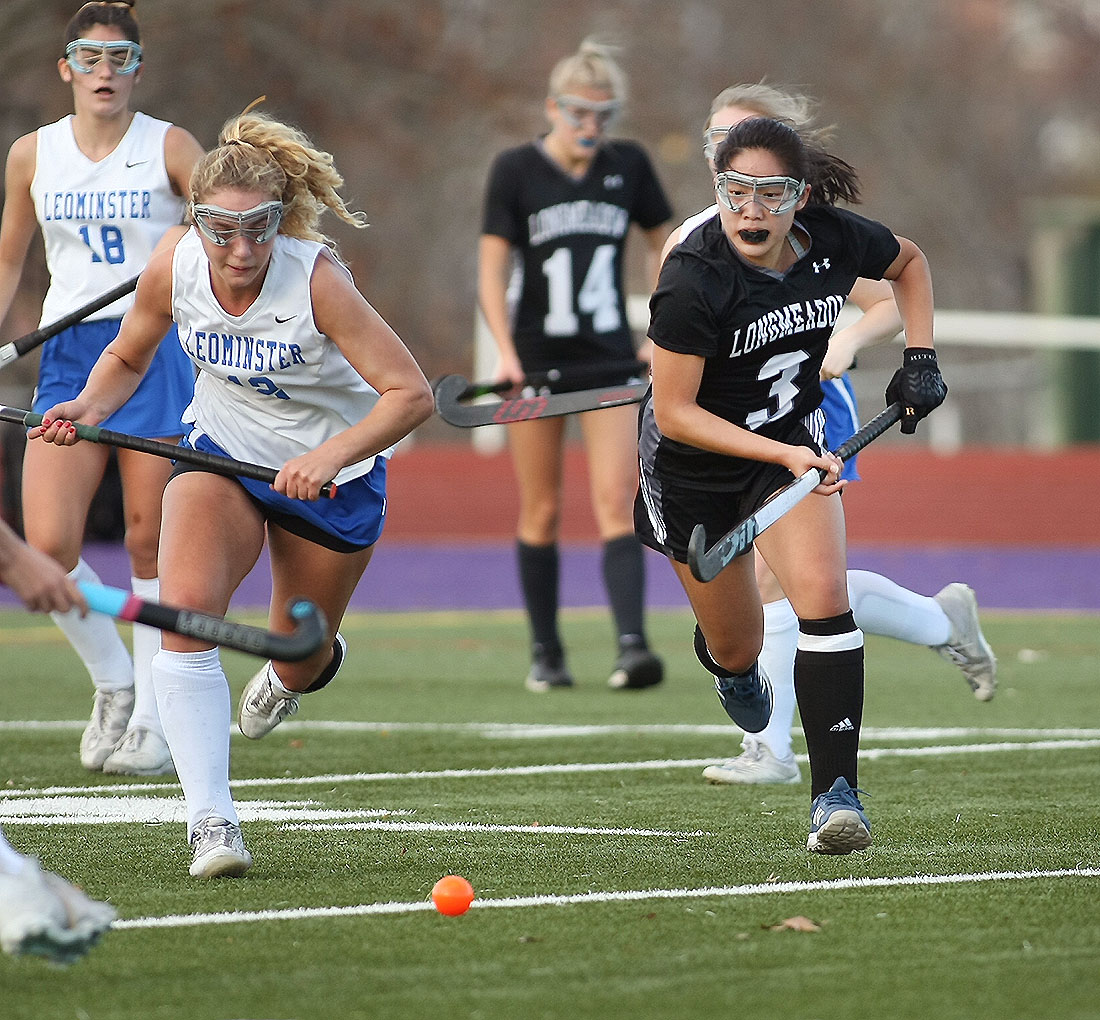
706, 564
589, 375
17, 348
208, 461
307, 636
450, 390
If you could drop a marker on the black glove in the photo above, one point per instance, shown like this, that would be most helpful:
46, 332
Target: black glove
917, 385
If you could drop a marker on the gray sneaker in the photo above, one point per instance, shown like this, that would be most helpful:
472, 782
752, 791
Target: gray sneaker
967, 647
141, 752
110, 716
218, 850
756, 764
262, 707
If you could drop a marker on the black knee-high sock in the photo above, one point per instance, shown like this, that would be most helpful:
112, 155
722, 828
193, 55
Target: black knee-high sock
624, 578
538, 576
828, 683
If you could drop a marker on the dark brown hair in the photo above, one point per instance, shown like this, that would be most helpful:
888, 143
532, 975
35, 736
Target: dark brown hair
117, 14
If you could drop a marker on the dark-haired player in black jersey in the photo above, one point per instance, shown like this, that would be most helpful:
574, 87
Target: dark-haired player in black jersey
740, 323
550, 284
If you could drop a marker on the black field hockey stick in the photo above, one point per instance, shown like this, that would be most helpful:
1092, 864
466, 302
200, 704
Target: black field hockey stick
451, 390
207, 461
308, 634
706, 564
17, 348
556, 378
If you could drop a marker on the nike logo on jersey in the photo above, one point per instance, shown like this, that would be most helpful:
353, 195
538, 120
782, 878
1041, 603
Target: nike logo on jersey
137, 162
844, 726
286, 318
613, 182
823, 264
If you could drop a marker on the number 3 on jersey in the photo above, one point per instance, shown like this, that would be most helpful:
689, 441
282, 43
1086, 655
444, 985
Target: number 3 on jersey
783, 368
597, 296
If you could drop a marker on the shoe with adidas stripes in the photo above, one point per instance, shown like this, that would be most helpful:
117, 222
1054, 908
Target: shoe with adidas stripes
838, 823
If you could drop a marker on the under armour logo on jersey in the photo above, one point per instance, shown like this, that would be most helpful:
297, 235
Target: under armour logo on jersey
844, 726
613, 182
823, 264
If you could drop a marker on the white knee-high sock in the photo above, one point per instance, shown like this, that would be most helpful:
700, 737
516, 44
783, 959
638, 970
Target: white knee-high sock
146, 645
11, 860
777, 660
96, 640
193, 698
882, 607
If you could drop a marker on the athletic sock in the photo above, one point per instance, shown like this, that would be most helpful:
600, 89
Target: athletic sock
624, 579
889, 610
96, 640
828, 681
193, 699
146, 645
538, 575
12, 861
777, 661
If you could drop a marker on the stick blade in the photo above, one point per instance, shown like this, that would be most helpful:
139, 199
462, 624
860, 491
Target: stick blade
448, 395
697, 555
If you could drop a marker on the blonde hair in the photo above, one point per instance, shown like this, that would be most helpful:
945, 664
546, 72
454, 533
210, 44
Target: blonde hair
591, 67
258, 153
788, 106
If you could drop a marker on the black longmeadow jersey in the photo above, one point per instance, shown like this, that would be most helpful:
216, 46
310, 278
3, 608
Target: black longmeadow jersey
763, 334
569, 236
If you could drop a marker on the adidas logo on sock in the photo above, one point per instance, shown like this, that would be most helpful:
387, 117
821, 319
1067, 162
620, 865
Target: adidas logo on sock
844, 726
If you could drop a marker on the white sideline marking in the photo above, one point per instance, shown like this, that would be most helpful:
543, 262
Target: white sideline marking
866, 754
554, 830
528, 731
759, 889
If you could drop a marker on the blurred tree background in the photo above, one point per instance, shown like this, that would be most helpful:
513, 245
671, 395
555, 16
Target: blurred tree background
964, 117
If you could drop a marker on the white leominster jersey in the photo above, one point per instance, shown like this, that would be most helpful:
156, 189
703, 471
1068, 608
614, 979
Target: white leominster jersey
100, 221
270, 386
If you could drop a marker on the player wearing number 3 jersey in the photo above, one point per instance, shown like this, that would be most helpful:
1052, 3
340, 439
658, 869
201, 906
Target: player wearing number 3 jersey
557, 214
103, 184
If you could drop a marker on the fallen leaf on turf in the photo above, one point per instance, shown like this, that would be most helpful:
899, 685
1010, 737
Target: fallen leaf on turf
798, 923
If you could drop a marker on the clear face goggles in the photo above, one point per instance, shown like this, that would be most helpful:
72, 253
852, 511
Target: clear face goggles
123, 57
776, 194
712, 138
258, 225
576, 111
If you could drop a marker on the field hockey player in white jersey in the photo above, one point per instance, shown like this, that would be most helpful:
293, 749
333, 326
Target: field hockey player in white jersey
740, 323
947, 621
103, 184
550, 283
295, 370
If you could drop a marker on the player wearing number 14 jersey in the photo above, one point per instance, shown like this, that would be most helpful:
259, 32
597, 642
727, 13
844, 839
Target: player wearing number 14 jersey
557, 214
103, 184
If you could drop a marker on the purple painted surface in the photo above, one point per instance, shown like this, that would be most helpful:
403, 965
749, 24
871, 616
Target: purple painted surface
406, 576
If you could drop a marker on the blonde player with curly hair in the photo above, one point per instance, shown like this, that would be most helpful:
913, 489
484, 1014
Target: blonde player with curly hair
295, 368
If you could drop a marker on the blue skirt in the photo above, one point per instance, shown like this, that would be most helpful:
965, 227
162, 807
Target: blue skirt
841, 418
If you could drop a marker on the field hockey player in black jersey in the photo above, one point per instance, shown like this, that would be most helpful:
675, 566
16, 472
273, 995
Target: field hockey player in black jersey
740, 323
557, 214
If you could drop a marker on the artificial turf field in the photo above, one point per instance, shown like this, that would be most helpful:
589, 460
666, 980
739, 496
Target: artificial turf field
611, 880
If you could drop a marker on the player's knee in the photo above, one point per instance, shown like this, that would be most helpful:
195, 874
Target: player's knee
724, 656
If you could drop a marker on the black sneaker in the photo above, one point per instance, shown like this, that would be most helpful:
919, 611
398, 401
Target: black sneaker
747, 698
636, 668
548, 670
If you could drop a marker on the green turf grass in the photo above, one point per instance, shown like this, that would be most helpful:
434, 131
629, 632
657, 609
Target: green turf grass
1002, 948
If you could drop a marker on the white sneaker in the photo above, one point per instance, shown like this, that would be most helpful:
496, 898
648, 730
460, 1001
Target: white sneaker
218, 849
262, 707
756, 764
110, 714
43, 915
141, 752
967, 647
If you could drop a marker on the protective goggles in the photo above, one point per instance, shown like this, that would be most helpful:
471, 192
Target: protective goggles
576, 110
776, 194
258, 225
123, 57
712, 138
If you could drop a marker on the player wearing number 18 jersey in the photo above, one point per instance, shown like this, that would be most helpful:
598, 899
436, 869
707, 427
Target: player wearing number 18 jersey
550, 283
103, 184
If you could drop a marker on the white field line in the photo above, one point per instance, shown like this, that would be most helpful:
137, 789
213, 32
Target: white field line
553, 830
719, 892
866, 754
521, 731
